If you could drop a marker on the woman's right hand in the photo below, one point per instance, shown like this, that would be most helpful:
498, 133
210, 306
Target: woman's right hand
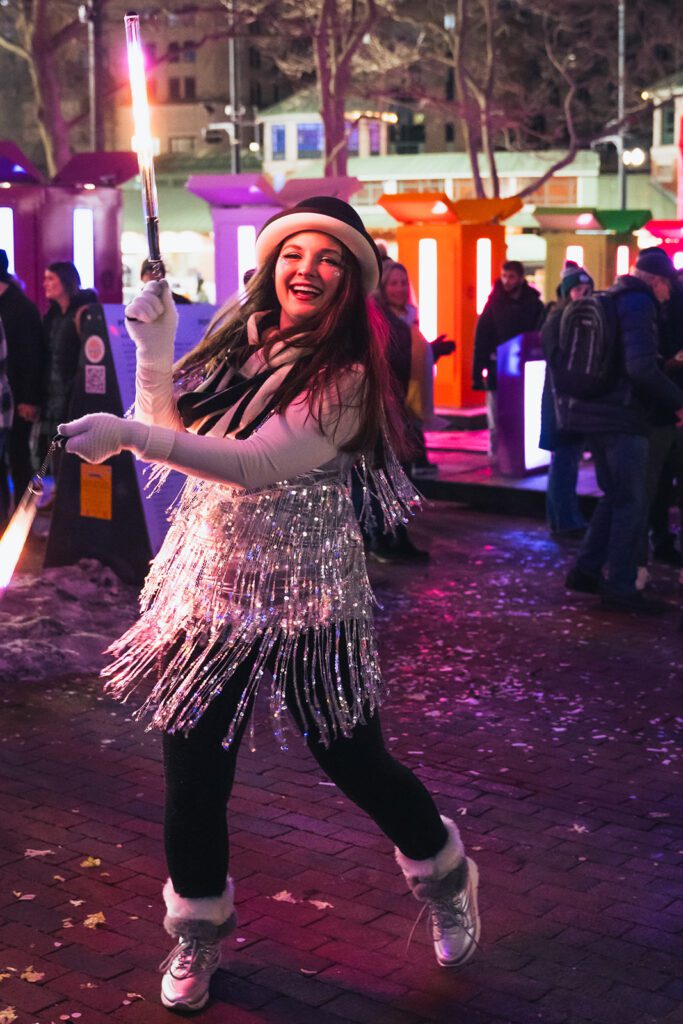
151, 321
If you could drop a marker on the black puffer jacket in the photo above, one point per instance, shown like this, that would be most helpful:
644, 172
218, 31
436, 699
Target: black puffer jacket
502, 318
642, 392
25, 346
61, 364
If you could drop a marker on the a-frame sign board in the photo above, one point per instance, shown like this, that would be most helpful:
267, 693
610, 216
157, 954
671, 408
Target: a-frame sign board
102, 511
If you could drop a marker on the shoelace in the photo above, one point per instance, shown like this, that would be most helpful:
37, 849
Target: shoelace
191, 956
445, 915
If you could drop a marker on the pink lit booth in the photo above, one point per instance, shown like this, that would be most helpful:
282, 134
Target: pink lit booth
75, 217
670, 232
602, 241
240, 206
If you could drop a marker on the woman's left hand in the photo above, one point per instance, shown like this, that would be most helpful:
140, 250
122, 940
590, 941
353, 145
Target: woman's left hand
99, 436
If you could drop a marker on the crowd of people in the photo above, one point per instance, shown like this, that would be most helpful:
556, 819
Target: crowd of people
631, 423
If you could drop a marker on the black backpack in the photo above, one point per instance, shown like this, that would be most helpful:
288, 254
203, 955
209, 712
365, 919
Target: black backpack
585, 361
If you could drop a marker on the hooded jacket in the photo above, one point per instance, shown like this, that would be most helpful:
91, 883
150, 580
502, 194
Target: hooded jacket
504, 316
25, 348
642, 391
63, 354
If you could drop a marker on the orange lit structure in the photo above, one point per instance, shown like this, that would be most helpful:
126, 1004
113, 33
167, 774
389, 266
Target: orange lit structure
602, 241
453, 251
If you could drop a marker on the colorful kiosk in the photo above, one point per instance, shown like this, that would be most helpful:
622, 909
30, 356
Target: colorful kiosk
602, 241
453, 251
76, 217
668, 234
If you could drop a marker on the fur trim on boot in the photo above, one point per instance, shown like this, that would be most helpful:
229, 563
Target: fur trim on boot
433, 868
207, 919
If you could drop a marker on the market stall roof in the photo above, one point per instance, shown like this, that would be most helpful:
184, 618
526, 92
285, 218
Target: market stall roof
585, 218
233, 189
670, 229
438, 208
103, 169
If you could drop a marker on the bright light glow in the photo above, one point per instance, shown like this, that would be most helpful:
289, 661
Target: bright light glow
254, 147
484, 253
7, 234
246, 252
439, 208
634, 157
623, 259
534, 377
584, 219
138, 88
14, 537
574, 253
84, 246
5, 184
428, 286
678, 260
89, 186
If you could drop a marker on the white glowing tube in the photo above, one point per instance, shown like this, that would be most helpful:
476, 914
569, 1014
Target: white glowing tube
84, 246
144, 142
623, 260
246, 252
484, 272
7, 234
575, 253
678, 260
428, 286
534, 378
14, 538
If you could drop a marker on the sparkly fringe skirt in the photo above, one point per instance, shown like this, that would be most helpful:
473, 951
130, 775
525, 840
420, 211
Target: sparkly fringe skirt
273, 578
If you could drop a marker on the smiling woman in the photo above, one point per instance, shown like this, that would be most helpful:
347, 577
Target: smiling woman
262, 575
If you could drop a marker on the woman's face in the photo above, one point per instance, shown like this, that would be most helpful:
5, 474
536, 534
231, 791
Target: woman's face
308, 273
53, 287
396, 289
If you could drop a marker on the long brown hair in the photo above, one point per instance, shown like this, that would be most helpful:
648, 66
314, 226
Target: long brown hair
348, 332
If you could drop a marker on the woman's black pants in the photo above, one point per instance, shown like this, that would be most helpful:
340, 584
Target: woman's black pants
200, 773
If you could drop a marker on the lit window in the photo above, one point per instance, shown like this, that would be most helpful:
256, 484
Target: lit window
278, 139
375, 138
309, 141
353, 141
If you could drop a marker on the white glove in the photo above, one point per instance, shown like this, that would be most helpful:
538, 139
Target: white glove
99, 436
152, 321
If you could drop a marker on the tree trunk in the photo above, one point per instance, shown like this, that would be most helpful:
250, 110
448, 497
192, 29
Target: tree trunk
465, 100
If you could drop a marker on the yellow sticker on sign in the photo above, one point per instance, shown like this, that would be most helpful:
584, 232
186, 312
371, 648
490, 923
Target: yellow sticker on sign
96, 491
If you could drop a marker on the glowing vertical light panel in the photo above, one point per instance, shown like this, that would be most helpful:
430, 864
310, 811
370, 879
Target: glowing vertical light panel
534, 377
575, 253
428, 286
678, 260
246, 252
623, 259
7, 234
484, 274
84, 246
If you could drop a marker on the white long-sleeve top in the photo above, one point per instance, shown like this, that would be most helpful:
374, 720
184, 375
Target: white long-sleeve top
286, 446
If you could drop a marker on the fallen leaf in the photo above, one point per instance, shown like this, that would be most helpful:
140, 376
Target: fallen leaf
59, 878
133, 996
7, 1015
3, 977
23, 895
321, 904
89, 984
37, 853
67, 922
76, 903
284, 897
30, 975
94, 920
91, 862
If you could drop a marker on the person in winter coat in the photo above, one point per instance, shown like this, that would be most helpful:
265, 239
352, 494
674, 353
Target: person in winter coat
26, 353
262, 571
62, 286
512, 308
617, 425
6, 416
563, 514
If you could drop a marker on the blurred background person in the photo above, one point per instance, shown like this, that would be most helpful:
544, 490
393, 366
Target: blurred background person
563, 513
62, 287
25, 358
147, 274
6, 415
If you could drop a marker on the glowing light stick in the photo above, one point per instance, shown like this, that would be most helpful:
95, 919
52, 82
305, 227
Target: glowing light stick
143, 141
14, 538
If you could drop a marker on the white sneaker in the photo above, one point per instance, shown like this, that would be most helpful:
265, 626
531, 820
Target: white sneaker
188, 970
642, 577
453, 913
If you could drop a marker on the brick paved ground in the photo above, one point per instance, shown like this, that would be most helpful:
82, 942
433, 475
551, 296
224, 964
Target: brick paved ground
547, 728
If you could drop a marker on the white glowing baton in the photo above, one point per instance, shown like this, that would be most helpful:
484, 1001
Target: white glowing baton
14, 538
143, 137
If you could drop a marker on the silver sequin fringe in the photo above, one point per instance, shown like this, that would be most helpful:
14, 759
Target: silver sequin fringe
275, 578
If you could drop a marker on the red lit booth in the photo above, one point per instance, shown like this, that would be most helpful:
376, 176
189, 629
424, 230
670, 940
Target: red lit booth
453, 251
671, 234
76, 217
602, 241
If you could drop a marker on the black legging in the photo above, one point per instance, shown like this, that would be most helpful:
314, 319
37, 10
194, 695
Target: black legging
200, 775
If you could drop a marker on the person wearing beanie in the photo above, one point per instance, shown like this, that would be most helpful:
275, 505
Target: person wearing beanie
25, 358
512, 308
261, 579
617, 425
563, 513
